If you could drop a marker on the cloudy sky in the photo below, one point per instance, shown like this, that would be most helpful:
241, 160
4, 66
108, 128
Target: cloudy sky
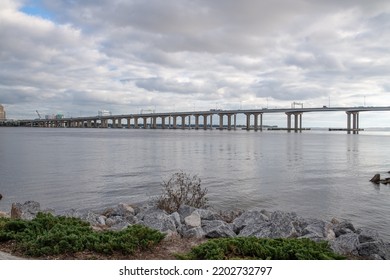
78, 57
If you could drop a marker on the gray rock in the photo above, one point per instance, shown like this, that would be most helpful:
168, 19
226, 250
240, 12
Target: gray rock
206, 214
91, 217
346, 244
102, 220
120, 226
73, 213
184, 211
279, 225
26, 211
372, 250
193, 220
376, 179
159, 220
176, 218
249, 218
367, 235
194, 233
318, 230
216, 229
343, 227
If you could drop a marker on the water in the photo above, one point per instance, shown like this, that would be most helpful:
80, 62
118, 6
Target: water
315, 173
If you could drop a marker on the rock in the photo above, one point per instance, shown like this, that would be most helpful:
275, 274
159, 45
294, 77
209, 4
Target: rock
184, 211
73, 213
346, 244
249, 218
197, 233
318, 230
1, 196
3, 215
343, 227
206, 214
367, 235
372, 250
376, 179
159, 220
385, 181
26, 211
91, 217
102, 220
176, 218
216, 229
193, 220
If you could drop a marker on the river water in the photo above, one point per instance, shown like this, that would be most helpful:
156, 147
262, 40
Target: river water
315, 173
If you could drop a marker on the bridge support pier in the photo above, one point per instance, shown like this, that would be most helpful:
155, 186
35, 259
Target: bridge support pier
354, 123
297, 121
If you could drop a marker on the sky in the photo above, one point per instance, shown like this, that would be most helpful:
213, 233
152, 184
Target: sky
79, 57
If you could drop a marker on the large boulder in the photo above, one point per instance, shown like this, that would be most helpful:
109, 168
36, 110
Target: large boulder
279, 225
346, 244
217, 228
376, 179
318, 230
250, 218
193, 220
26, 211
159, 220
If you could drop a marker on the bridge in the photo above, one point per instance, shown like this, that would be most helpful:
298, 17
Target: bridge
169, 119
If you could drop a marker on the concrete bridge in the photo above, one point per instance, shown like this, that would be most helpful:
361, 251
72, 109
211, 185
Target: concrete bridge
203, 119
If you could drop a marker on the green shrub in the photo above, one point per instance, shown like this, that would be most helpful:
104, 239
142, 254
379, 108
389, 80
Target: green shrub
182, 189
261, 248
50, 235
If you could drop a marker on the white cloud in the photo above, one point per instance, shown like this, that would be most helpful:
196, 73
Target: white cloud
89, 55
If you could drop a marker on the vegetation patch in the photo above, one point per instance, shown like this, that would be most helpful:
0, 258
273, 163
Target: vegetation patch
52, 235
182, 189
261, 248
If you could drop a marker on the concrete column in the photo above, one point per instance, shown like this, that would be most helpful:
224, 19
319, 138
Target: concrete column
248, 121
136, 122
256, 122
235, 121
348, 122
288, 122
145, 122
196, 122
154, 122
183, 122
174, 122
296, 122
229, 121
261, 121
357, 122
119, 123
128, 122
220, 121
300, 122
204, 122
163, 122
211, 121
89, 125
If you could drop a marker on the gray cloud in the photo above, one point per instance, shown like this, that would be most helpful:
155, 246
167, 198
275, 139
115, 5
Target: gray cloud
83, 56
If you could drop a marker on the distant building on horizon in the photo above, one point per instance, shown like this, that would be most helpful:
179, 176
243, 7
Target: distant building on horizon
2, 113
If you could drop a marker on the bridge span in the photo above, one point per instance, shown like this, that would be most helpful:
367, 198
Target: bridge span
169, 119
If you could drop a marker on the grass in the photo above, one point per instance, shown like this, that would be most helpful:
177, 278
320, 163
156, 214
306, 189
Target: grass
53, 235
261, 248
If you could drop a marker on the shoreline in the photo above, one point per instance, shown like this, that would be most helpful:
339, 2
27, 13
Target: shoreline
198, 223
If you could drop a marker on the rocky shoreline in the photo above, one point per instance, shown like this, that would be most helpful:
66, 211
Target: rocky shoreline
189, 222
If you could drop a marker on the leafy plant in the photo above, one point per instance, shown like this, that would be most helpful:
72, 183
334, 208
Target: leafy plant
261, 248
182, 189
50, 235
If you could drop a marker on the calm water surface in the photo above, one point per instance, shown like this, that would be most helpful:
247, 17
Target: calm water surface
316, 173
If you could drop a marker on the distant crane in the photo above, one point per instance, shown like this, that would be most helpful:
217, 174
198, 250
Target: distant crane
39, 115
